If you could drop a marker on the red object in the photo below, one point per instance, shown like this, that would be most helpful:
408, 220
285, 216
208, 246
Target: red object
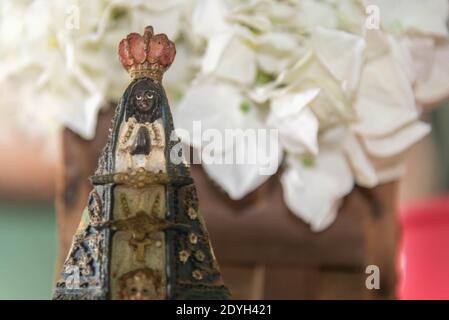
149, 49
425, 250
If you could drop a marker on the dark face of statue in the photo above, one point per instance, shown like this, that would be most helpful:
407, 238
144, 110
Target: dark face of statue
144, 103
144, 100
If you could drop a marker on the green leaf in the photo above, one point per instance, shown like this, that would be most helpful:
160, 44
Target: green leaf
118, 12
308, 161
245, 106
263, 77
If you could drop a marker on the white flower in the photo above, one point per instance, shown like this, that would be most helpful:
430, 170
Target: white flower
347, 66
229, 58
330, 78
313, 187
73, 69
431, 68
312, 14
376, 160
331, 105
209, 18
428, 17
345, 101
385, 100
218, 109
397, 142
364, 172
216, 106
297, 125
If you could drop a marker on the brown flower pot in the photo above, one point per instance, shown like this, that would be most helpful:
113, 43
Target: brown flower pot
26, 167
264, 251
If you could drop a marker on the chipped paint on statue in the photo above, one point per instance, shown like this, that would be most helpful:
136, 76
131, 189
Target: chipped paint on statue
142, 235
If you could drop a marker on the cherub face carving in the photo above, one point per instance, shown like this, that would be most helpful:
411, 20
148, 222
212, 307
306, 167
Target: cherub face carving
140, 285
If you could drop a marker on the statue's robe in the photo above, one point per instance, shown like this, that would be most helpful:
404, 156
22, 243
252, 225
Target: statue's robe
141, 235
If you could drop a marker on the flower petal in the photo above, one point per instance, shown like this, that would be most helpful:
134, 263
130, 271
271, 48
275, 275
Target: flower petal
208, 18
433, 88
297, 125
84, 122
229, 58
385, 100
313, 193
428, 17
389, 169
331, 106
212, 106
396, 142
347, 64
364, 172
313, 13
253, 162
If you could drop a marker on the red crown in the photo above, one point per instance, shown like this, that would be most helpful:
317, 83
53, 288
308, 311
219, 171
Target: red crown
146, 56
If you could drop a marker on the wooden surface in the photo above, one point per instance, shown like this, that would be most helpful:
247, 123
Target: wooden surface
264, 251
28, 163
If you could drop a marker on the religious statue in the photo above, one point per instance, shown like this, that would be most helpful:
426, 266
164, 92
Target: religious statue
141, 235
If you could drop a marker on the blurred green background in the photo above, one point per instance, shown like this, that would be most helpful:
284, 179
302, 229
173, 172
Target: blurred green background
27, 249
440, 133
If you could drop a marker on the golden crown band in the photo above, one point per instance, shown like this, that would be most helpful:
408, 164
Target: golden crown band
146, 69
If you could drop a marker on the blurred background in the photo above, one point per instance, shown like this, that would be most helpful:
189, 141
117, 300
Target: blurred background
56, 87
29, 242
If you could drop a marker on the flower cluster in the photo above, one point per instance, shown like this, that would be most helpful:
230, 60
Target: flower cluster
343, 89
344, 96
58, 59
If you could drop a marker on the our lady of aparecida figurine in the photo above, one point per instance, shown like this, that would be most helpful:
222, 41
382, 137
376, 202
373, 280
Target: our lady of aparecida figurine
141, 235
